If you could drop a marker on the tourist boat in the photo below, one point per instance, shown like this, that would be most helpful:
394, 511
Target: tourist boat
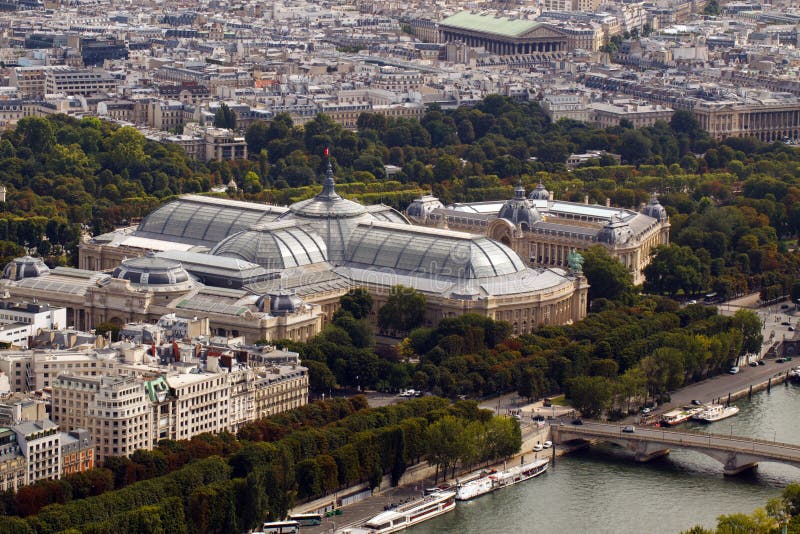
489, 481
716, 412
406, 515
676, 417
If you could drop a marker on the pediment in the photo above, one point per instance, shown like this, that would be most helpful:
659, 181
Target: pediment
543, 32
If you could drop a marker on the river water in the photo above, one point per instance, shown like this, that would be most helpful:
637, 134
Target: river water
603, 490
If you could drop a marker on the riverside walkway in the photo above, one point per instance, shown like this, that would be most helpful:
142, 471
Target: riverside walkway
736, 453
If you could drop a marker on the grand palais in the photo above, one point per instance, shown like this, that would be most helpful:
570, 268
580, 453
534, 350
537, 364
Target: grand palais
274, 272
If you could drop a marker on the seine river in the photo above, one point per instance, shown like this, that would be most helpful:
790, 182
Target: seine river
604, 491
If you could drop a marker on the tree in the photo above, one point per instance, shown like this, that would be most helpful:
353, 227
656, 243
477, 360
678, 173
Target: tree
357, 302
37, 134
126, 149
531, 383
675, 268
256, 137
320, 377
634, 146
404, 310
712, 8
445, 439
749, 323
107, 328
590, 395
224, 117
684, 122
606, 275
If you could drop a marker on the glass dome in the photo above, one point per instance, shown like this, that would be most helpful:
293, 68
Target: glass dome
152, 271
25, 267
331, 216
280, 245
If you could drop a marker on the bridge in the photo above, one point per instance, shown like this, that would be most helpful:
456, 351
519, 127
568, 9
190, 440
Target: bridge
737, 454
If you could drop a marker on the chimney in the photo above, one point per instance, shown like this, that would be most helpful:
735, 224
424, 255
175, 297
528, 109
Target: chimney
585, 199
608, 202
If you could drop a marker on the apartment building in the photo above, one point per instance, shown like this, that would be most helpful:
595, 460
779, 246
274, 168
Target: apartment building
40, 443
200, 403
13, 468
280, 389
77, 451
115, 410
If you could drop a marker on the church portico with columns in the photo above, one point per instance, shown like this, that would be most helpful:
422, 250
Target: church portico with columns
501, 35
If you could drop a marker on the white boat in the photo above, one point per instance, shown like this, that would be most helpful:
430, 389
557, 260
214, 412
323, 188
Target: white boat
490, 481
716, 412
676, 417
406, 515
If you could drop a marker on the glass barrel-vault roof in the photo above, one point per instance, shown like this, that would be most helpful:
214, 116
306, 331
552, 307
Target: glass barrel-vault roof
280, 245
433, 252
202, 220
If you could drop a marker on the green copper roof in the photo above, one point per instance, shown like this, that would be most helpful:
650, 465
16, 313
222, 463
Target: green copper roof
490, 24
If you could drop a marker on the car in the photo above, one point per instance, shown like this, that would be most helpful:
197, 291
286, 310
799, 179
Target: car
537, 418
629, 429
547, 444
547, 403
761, 362
733, 370
784, 306
646, 410
790, 329
696, 402
780, 360
753, 364
538, 447
692, 302
786, 323
577, 422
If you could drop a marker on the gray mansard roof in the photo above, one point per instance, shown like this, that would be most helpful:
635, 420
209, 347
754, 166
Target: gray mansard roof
431, 252
200, 220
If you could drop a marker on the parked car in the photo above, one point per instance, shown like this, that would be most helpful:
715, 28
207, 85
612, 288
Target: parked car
577, 422
646, 411
696, 402
761, 362
692, 302
733, 370
790, 329
547, 444
753, 364
629, 429
786, 323
784, 306
538, 447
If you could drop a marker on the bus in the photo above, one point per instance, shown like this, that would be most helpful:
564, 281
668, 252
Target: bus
281, 527
307, 520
